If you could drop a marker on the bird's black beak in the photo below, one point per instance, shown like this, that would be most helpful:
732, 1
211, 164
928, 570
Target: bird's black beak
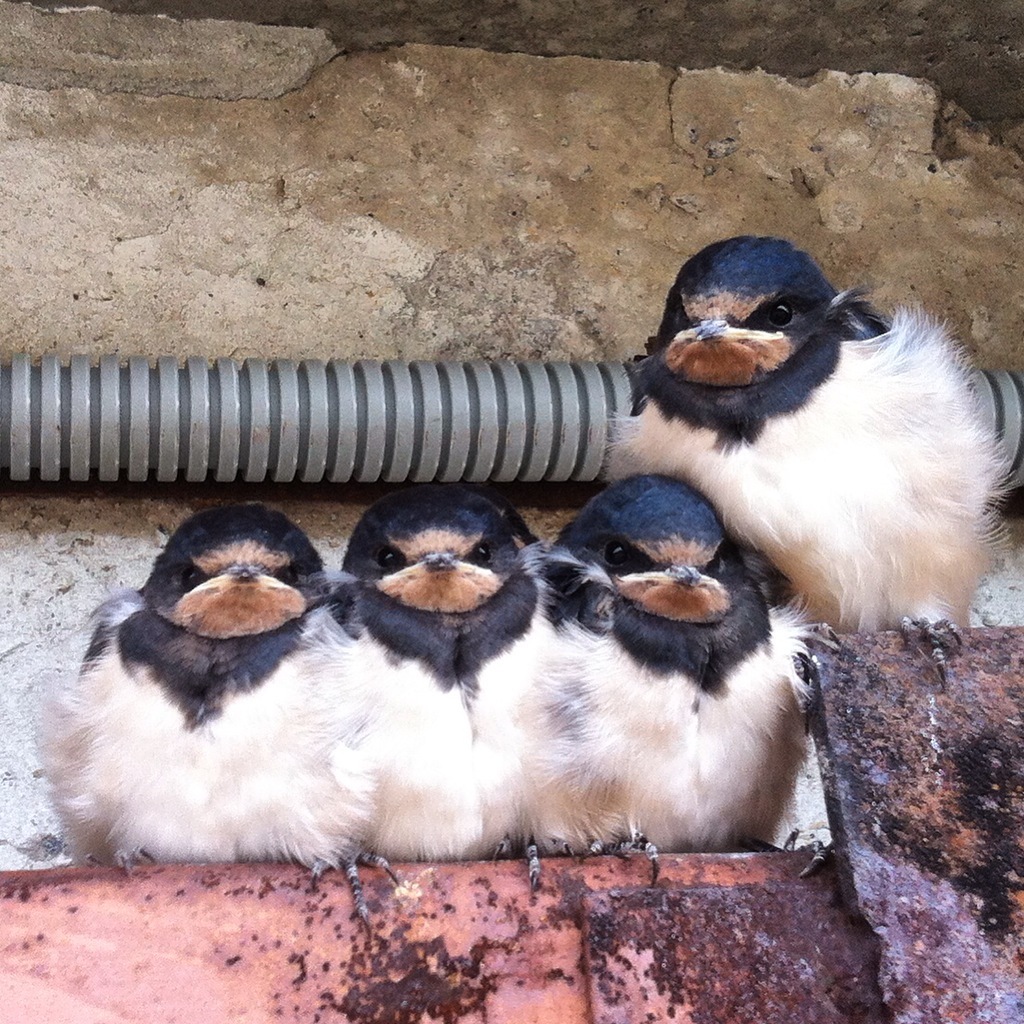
439, 561
244, 573
711, 330
685, 574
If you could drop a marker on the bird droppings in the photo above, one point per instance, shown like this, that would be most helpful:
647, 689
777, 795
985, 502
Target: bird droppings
926, 784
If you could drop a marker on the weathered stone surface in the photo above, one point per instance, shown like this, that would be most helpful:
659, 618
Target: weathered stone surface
92, 49
428, 202
848, 166
974, 52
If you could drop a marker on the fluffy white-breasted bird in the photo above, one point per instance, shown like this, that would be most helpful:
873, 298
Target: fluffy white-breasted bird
670, 707
848, 450
451, 627
196, 730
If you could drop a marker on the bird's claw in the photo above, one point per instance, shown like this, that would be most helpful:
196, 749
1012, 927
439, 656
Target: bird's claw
351, 865
533, 864
129, 860
807, 669
375, 860
821, 854
503, 850
942, 637
822, 633
636, 843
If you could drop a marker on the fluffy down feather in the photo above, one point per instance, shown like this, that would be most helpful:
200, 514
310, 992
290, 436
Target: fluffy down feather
616, 747
278, 774
875, 498
448, 767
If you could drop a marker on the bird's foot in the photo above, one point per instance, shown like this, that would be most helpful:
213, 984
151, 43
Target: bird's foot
533, 864
351, 865
636, 843
129, 860
807, 669
942, 637
821, 853
528, 850
823, 634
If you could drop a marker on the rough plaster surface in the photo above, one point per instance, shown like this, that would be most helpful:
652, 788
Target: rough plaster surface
92, 49
974, 52
62, 556
434, 202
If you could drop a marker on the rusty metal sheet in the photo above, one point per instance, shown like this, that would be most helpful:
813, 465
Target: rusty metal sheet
255, 942
925, 784
784, 952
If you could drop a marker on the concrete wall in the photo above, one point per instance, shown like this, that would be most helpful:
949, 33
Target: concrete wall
973, 52
427, 201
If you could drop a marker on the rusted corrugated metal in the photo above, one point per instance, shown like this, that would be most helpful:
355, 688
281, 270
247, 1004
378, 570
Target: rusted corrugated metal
926, 789
779, 952
721, 938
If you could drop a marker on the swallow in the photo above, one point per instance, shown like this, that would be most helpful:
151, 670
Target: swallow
848, 449
195, 731
448, 600
669, 714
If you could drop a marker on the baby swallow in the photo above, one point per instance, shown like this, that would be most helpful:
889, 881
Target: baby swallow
668, 714
848, 450
452, 628
195, 731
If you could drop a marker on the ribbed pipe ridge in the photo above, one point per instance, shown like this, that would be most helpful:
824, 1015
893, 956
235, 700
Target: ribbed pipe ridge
1002, 397
309, 421
337, 421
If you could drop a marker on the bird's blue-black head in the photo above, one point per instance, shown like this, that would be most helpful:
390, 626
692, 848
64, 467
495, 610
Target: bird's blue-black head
442, 577
234, 570
224, 605
438, 547
680, 596
644, 522
751, 328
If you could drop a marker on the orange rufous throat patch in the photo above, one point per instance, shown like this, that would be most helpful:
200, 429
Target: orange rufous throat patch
462, 588
225, 607
705, 601
732, 358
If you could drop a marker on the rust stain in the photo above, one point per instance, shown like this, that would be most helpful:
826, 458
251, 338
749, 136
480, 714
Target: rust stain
784, 951
459, 942
926, 787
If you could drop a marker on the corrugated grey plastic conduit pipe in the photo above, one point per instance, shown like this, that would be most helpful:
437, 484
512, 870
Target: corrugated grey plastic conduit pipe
336, 421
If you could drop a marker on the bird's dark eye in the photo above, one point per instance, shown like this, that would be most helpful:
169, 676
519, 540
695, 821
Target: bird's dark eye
191, 576
780, 314
616, 553
481, 553
389, 558
287, 574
